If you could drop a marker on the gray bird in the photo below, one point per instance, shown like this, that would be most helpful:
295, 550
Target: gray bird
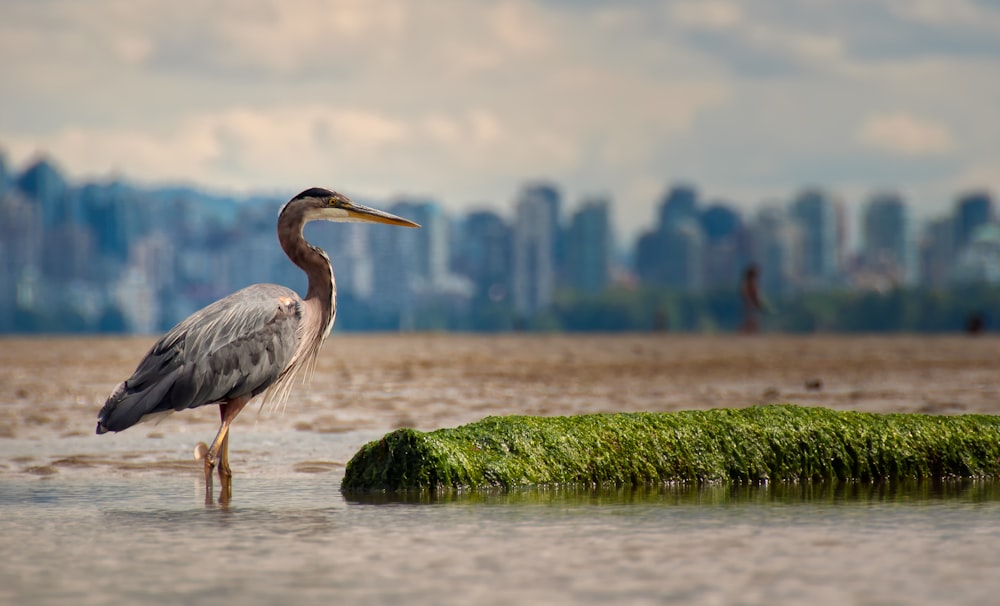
255, 341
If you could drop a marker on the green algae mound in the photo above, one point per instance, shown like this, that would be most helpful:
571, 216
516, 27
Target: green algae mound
740, 445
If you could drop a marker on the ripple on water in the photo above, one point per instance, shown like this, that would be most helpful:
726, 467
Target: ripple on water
153, 539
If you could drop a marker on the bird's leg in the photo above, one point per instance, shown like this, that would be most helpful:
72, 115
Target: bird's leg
218, 452
225, 473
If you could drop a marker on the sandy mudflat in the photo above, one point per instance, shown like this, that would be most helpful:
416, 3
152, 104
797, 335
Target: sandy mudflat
52, 388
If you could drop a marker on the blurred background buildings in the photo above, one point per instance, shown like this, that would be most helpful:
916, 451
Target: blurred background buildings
115, 257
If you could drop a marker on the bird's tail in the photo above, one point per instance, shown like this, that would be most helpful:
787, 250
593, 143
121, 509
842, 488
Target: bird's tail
126, 406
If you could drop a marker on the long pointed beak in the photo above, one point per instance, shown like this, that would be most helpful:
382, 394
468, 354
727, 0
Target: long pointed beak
361, 213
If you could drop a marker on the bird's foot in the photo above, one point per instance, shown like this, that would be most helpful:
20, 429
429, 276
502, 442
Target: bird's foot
203, 453
225, 480
213, 461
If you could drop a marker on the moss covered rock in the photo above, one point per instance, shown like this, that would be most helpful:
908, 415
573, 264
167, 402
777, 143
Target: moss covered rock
775, 442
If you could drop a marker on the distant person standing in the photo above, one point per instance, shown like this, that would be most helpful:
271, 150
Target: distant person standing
975, 323
750, 294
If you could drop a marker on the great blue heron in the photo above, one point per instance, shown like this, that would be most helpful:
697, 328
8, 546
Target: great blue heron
255, 341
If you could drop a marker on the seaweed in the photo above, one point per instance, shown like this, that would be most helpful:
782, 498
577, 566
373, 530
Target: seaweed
738, 445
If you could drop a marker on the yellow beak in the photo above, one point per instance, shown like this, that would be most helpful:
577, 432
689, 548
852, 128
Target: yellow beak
365, 214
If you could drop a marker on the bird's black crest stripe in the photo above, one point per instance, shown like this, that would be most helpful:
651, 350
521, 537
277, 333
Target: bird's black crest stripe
314, 192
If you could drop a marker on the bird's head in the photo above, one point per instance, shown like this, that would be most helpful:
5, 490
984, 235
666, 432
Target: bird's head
318, 203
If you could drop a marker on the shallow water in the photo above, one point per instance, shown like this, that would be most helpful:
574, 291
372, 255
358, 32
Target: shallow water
121, 518
293, 538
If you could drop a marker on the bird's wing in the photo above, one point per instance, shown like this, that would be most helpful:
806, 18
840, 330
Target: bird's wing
235, 347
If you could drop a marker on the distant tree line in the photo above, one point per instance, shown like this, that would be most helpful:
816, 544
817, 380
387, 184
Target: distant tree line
920, 310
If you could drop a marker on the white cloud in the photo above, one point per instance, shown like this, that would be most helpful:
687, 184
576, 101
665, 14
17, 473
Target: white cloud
462, 100
237, 146
904, 133
288, 37
519, 26
943, 13
706, 14
371, 152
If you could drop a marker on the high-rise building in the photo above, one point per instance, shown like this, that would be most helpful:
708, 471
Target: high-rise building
979, 261
650, 251
679, 204
887, 247
352, 261
588, 245
817, 216
548, 195
21, 236
5, 174
484, 254
973, 210
684, 254
43, 183
937, 252
411, 265
112, 212
725, 254
71, 258
673, 254
431, 242
776, 248
396, 262
534, 262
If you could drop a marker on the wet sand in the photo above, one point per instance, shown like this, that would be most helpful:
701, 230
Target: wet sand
365, 385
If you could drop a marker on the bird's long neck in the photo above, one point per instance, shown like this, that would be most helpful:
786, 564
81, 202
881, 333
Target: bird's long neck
322, 290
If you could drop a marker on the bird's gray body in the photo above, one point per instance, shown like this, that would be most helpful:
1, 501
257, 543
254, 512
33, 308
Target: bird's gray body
238, 346
255, 341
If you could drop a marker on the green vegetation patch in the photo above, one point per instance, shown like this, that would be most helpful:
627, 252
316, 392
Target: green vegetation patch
742, 445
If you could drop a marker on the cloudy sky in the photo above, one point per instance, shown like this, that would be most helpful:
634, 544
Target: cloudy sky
464, 100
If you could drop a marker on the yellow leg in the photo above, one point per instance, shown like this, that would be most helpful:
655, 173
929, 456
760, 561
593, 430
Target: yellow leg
208, 483
224, 470
218, 452
225, 473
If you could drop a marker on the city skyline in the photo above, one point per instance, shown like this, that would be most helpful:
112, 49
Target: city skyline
114, 254
506, 205
462, 100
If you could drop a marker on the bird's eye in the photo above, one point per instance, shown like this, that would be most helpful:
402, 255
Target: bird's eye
331, 201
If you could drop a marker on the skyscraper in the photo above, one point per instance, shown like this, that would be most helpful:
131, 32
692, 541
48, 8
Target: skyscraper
431, 262
726, 251
534, 246
979, 261
45, 185
348, 246
650, 250
973, 210
21, 236
679, 204
887, 248
484, 255
672, 255
816, 213
776, 249
588, 246
684, 254
937, 252
396, 258
4, 174
411, 268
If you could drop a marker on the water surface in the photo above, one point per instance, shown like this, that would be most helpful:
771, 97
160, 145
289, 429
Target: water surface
154, 540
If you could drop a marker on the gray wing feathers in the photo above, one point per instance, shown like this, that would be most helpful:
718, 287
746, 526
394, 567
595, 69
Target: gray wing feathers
235, 347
